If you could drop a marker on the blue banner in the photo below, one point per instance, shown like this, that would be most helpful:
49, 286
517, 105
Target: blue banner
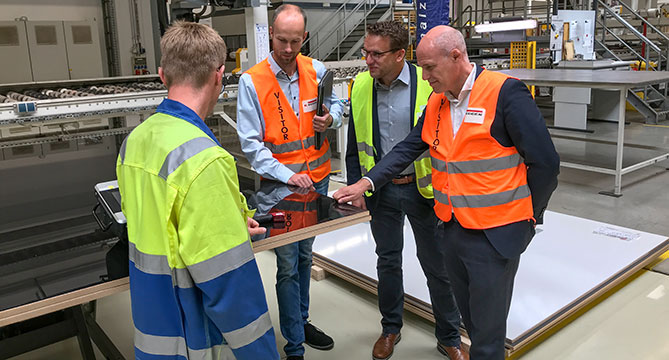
430, 13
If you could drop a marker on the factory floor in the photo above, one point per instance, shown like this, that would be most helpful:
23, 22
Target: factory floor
630, 324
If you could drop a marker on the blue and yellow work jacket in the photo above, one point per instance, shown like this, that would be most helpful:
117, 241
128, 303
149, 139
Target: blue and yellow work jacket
194, 283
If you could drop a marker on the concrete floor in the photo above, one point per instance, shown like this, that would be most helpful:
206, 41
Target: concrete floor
630, 324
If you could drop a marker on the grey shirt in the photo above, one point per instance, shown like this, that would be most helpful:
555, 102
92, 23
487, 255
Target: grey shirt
393, 106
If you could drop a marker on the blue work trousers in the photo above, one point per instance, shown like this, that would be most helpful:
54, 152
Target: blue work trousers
293, 275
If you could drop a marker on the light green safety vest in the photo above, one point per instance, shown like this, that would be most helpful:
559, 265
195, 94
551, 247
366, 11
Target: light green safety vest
361, 100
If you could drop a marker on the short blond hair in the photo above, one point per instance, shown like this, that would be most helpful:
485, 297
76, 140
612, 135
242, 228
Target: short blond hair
190, 52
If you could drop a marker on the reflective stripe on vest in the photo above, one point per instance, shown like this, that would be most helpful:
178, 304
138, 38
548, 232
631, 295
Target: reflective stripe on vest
440, 197
366, 148
362, 102
291, 140
292, 146
485, 185
121, 152
477, 166
501, 198
182, 153
302, 167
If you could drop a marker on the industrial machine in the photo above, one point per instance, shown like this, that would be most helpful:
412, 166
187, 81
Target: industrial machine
573, 35
49, 50
58, 139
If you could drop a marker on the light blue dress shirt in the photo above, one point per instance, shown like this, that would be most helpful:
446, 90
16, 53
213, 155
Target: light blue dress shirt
393, 107
251, 125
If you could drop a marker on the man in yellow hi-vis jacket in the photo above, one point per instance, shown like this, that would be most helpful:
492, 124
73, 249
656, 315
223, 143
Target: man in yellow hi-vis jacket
386, 103
194, 283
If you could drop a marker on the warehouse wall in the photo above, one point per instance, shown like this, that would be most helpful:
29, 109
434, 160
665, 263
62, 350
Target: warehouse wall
55, 10
50, 10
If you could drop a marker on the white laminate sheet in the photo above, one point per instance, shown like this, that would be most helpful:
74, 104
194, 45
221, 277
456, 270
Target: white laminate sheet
565, 261
353, 247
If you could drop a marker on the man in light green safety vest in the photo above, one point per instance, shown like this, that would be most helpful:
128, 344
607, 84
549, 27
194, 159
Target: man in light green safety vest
195, 288
386, 102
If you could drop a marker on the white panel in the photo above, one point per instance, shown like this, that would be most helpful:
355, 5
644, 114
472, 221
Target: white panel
570, 116
47, 50
354, 246
581, 31
573, 95
564, 261
605, 104
83, 49
14, 55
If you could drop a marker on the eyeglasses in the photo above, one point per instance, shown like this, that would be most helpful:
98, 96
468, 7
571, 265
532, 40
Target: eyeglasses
375, 54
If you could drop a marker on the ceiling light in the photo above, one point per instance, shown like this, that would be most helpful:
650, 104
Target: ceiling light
506, 26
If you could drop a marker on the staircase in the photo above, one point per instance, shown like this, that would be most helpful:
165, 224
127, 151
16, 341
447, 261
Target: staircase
341, 35
630, 36
351, 45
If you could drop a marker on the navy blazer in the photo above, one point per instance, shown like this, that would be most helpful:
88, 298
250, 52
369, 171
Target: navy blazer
518, 122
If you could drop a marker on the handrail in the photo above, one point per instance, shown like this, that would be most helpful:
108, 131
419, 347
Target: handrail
662, 35
629, 27
335, 30
460, 16
367, 12
603, 46
622, 42
326, 21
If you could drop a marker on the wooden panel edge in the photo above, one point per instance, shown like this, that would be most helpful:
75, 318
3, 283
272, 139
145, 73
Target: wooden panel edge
63, 301
311, 231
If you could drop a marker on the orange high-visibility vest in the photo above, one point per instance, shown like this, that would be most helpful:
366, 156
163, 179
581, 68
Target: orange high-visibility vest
482, 182
292, 141
301, 211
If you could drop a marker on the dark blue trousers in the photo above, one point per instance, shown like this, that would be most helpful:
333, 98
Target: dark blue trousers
482, 281
388, 208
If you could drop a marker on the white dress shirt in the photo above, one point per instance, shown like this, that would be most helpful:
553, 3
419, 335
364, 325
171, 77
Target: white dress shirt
459, 104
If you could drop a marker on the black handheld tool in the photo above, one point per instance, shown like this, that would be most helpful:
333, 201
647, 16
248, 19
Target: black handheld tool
324, 92
274, 220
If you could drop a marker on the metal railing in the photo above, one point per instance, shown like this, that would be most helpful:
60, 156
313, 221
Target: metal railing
648, 46
647, 25
489, 9
608, 51
458, 20
341, 30
486, 10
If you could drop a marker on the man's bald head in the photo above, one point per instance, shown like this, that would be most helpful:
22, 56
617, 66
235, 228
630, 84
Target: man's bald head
288, 10
444, 39
288, 34
442, 54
